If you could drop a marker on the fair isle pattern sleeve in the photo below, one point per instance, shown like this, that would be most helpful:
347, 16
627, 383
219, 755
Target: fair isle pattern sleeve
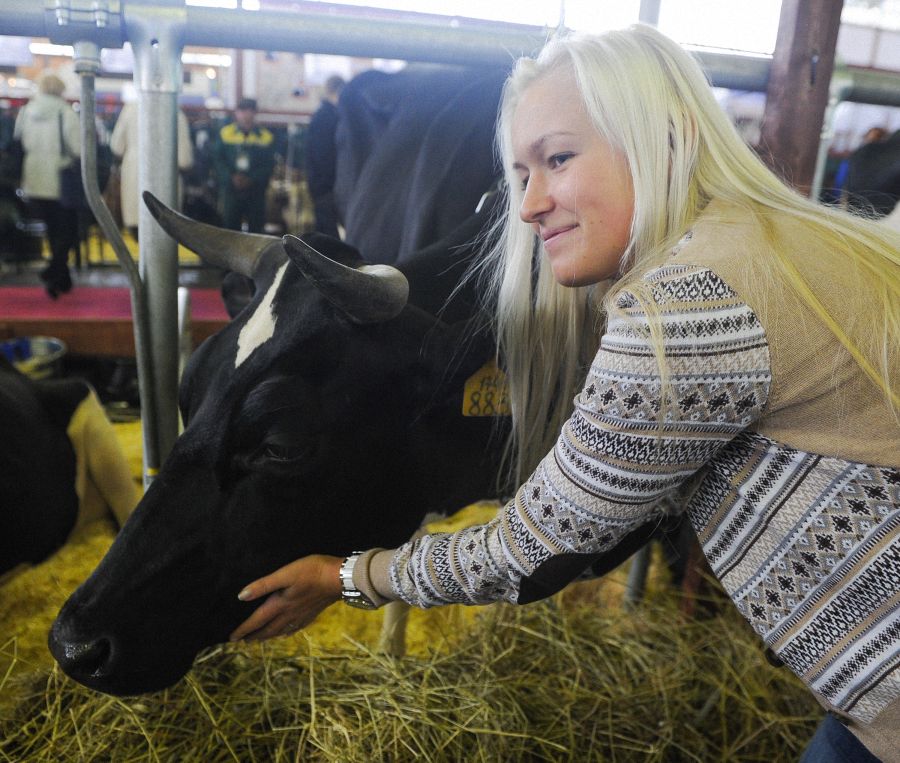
611, 464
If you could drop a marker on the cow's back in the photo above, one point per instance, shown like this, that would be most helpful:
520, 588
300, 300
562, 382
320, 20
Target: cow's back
37, 470
415, 155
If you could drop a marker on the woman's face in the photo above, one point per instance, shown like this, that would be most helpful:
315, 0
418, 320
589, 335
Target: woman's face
578, 194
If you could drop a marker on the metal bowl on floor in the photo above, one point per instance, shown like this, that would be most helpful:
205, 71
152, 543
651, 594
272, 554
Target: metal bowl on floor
38, 357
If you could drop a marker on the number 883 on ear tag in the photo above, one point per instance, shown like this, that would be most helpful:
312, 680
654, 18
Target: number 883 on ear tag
486, 392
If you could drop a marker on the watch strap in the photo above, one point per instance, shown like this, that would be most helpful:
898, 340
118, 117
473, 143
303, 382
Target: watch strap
356, 588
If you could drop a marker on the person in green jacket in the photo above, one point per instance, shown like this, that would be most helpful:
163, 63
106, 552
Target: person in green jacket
244, 157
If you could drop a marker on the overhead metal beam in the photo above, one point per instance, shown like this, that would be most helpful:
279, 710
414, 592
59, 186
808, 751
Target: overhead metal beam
354, 34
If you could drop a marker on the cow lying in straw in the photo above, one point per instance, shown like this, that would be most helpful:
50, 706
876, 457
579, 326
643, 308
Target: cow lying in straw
60, 465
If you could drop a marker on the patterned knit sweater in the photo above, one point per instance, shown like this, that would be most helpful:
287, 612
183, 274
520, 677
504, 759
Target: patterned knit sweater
793, 452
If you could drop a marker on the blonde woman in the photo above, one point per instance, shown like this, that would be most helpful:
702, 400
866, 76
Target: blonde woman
750, 352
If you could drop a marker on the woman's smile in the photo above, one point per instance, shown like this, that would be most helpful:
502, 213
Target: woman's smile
556, 237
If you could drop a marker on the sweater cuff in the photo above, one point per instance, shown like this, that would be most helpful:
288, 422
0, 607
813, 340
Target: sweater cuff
371, 575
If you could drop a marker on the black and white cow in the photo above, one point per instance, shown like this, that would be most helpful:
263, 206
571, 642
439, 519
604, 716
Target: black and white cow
325, 418
328, 415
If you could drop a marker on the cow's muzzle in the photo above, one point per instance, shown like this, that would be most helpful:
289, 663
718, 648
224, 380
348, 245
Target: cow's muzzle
85, 660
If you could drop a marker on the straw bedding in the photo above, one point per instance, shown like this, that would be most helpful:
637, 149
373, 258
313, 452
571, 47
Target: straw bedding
575, 678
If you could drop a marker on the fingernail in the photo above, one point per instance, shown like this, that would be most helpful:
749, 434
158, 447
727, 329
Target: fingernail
244, 595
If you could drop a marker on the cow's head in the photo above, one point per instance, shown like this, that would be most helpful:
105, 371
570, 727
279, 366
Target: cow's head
322, 419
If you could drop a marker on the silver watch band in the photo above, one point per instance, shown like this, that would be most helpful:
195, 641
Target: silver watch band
350, 594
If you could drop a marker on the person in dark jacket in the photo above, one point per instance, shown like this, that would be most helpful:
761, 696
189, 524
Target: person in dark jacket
321, 156
244, 158
873, 174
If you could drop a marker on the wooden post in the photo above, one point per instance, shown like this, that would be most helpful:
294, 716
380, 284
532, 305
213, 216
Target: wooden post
798, 88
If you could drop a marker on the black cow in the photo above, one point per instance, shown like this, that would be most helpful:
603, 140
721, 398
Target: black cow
415, 154
325, 418
37, 465
60, 465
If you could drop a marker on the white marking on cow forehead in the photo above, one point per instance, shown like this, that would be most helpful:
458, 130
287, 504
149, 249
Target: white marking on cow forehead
260, 327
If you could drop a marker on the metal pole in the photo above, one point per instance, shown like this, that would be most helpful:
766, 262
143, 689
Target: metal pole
454, 41
156, 30
637, 576
87, 64
837, 89
649, 12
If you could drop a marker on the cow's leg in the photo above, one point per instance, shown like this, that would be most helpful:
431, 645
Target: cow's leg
392, 641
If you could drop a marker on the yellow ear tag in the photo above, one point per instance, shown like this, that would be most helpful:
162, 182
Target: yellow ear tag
486, 392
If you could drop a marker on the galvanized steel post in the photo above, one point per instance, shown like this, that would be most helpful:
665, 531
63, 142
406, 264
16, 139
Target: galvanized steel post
156, 32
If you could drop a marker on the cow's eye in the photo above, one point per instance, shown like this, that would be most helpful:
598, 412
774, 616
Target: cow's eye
283, 454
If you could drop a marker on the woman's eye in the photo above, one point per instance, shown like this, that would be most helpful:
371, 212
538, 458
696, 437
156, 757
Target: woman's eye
557, 160
523, 184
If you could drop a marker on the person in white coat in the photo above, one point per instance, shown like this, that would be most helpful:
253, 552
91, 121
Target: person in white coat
48, 129
124, 145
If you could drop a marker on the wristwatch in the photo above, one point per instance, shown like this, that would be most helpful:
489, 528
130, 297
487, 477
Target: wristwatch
350, 594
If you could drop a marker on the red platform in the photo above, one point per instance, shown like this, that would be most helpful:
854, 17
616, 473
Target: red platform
94, 320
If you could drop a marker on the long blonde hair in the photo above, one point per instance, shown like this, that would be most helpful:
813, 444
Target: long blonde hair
649, 98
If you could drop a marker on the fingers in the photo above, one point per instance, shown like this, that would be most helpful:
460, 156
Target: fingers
277, 580
275, 617
296, 594
265, 619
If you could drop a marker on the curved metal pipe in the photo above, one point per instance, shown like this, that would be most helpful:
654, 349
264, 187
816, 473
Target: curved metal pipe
85, 56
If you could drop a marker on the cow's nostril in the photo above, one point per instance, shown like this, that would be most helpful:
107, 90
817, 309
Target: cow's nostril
86, 658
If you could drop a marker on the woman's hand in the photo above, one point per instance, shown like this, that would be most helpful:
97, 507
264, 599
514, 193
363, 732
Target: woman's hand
297, 593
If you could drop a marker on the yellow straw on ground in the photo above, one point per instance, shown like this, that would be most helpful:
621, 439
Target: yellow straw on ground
574, 678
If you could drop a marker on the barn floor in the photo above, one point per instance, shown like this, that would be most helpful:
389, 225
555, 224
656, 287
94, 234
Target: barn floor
94, 319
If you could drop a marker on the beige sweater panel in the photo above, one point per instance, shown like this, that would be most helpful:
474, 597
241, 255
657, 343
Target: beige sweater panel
821, 401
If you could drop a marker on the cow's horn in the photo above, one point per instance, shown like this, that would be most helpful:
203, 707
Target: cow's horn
228, 249
368, 294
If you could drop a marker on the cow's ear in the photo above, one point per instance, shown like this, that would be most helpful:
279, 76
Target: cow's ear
365, 294
454, 352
